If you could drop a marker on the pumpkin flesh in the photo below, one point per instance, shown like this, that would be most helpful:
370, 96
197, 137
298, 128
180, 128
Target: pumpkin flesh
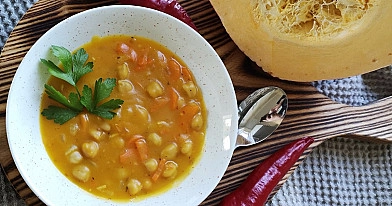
309, 40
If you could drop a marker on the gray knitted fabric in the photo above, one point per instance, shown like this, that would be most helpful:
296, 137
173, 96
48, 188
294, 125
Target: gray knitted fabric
338, 172
345, 171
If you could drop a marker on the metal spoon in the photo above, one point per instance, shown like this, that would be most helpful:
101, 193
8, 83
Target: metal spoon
260, 114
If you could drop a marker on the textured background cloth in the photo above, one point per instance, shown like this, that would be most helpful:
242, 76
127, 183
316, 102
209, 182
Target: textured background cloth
338, 172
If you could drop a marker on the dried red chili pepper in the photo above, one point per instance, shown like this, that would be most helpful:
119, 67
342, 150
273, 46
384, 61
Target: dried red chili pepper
171, 7
256, 189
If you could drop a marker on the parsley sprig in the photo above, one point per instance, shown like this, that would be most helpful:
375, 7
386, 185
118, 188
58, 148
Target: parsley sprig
74, 67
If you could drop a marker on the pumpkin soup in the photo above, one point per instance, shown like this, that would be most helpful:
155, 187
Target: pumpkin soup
154, 139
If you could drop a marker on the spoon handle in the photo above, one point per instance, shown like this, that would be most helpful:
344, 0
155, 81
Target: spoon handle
322, 119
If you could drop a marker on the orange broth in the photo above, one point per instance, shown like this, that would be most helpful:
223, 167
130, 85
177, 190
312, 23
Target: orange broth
155, 139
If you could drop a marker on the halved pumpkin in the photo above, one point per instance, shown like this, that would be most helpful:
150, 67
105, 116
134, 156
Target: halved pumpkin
308, 40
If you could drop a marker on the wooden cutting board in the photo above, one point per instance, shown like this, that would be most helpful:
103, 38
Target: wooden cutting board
310, 113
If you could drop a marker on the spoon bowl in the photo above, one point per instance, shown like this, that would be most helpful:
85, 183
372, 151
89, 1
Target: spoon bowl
260, 114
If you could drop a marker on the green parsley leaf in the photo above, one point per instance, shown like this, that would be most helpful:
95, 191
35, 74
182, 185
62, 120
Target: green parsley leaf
73, 102
87, 98
57, 72
58, 114
80, 67
64, 56
102, 91
75, 67
104, 110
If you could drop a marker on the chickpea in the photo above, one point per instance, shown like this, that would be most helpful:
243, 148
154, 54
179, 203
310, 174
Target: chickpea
155, 139
97, 134
118, 141
186, 147
143, 113
123, 71
170, 151
81, 172
170, 169
122, 173
90, 149
190, 89
197, 122
181, 102
75, 157
151, 164
74, 129
105, 126
71, 149
147, 184
125, 86
134, 186
154, 89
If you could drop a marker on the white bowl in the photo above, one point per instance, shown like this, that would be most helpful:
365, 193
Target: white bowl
23, 106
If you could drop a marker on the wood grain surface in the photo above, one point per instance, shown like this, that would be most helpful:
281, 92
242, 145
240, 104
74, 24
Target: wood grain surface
310, 113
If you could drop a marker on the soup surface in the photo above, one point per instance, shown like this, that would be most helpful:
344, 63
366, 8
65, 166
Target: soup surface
157, 135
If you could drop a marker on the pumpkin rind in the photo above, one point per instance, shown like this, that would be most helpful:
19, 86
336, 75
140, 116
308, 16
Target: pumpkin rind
361, 44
